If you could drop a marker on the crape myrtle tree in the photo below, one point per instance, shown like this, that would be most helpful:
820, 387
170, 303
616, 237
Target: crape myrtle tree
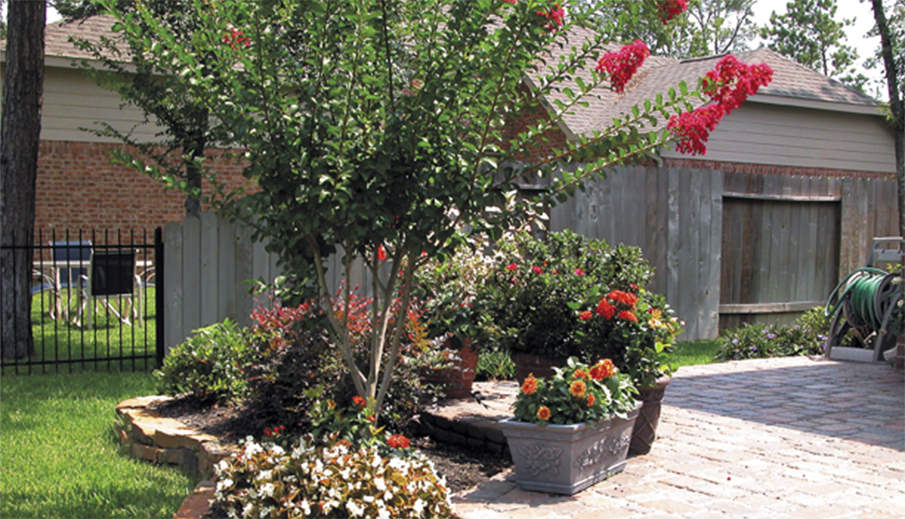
377, 129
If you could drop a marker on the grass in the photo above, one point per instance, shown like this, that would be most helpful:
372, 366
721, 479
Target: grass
60, 458
57, 339
690, 353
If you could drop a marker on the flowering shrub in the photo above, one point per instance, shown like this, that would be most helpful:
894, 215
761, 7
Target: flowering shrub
576, 393
209, 365
727, 85
337, 480
622, 65
527, 300
757, 341
635, 328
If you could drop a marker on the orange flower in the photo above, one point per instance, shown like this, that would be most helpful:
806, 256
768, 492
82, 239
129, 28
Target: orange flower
584, 316
603, 369
398, 441
529, 386
578, 388
590, 399
627, 298
580, 373
543, 413
359, 402
628, 316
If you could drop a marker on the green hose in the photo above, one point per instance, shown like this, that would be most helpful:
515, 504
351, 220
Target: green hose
858, 293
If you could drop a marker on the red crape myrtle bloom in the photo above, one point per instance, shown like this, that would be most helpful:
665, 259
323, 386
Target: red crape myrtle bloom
555, 15
622, 64
669, 9
728, 85
398, 441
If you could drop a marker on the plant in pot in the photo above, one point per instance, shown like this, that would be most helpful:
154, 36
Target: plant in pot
635, 328
573, 429
448, 289
526, 305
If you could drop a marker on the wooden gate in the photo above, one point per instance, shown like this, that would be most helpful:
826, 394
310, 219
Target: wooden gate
780, 256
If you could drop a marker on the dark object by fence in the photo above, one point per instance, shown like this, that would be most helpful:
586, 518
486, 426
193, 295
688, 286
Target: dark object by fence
73, 322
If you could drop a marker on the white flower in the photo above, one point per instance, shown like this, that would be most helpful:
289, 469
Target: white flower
252, 448
418, 507
380, 484
267, 490
276, 450
225, 484
355, 509
222, 465
249, 507
264, 475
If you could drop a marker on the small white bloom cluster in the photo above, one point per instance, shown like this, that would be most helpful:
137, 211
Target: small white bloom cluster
338, 480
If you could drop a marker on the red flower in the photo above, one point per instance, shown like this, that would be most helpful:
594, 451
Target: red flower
620, 296
585, 315
555, 15
235, 37
381, 253
537, 270
578, 271
359, 402
623, 64
580, 373
605, 309
511, 267
590, 399
669, 9
628, 316
510, 1
398, 441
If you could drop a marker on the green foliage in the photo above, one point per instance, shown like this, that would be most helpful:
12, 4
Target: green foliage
810, 34
209, 365
60, 457
495, 365
371, 127
528, 303
329, 481
576, 393
709, 27
692, 353
756, 341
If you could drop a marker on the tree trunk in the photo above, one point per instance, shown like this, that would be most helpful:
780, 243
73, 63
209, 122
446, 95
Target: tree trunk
20, 131
895, 102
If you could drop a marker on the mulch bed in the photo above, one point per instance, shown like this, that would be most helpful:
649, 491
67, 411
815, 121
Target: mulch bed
462, 468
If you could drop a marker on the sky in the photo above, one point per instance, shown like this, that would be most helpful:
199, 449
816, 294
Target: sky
856, 35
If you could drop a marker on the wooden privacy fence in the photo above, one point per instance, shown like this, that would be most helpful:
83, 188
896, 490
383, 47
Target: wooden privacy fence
730, 248
210, 266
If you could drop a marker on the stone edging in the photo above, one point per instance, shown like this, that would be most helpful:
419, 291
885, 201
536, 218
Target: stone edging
148, 436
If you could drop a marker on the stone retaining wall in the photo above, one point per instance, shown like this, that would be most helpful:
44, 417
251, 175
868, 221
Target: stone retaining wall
148, 436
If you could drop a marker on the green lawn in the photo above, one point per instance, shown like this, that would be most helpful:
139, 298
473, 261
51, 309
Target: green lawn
106, 337
690, 353
60, 459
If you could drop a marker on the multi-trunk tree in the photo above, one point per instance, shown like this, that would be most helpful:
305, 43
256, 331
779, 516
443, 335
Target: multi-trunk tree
379, 130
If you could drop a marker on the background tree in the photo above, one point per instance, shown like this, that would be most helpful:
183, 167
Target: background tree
890, 26
709, 27
20, 131
177, 153
809, 33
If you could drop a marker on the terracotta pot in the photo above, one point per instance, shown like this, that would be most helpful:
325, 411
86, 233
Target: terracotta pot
540, 366
645, 431
567, 458
457, 380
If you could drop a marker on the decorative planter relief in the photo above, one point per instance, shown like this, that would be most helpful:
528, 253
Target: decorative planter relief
566, 459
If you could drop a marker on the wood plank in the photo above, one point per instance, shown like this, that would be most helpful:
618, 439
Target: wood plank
711, 278
191, 277
766, 308
243, 272
172, 292
783, 197
210, 265
226, 269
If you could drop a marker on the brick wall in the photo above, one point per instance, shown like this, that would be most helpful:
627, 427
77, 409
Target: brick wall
79, 188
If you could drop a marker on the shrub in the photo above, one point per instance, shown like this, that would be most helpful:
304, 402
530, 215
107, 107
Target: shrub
209, 365
757, 341
526, 302
576, 393
336, 480
495, 365
297, 365
635, 328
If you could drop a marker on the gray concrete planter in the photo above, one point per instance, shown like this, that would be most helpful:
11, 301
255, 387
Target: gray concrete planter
566, 459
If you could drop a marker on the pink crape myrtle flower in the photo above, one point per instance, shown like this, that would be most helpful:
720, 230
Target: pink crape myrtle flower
622, 64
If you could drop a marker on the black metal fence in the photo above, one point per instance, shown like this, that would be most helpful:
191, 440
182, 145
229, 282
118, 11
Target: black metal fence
95, 302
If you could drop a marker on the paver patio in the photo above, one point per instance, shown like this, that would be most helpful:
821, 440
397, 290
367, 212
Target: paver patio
771, 438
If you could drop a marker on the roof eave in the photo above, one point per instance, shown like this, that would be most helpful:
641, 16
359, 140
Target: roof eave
817, 104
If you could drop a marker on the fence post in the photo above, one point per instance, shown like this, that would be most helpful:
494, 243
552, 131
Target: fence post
158, 294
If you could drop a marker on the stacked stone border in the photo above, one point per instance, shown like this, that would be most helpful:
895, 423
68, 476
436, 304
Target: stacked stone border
148, 436
474, 434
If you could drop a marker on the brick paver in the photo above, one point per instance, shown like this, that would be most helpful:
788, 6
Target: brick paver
771, 438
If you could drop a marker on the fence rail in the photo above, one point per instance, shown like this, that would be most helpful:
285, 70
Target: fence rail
92, 302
